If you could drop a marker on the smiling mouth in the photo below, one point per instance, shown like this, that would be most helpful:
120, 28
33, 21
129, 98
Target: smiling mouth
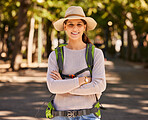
74, 33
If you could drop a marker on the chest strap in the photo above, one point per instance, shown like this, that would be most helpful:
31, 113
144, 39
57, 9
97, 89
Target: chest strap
76, 74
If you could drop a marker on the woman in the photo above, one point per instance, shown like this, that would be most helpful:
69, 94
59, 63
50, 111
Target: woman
78, 93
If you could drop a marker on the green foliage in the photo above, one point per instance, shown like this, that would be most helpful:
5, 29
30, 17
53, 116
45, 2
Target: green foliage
101, 10
8, 13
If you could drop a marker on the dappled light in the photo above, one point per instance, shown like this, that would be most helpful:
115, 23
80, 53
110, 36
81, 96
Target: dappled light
118, 95
115, 106
113, 80
21, 118
14, 98
23, 100
143, 101
125, 96
118, 89
135, 111
5, 113
28, 36
144, 108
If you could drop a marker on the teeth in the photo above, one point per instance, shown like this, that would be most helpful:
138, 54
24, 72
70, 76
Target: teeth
74, 33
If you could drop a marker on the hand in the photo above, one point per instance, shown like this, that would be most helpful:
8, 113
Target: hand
82, 80
56, 75
89, 79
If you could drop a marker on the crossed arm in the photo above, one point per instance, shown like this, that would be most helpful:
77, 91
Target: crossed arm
96, 84
56, 76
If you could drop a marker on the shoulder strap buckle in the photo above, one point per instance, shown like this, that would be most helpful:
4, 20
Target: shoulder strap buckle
72, 76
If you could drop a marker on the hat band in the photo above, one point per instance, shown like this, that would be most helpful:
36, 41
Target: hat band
74, 15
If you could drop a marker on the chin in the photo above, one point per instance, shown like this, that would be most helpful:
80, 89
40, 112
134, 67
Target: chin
74, 39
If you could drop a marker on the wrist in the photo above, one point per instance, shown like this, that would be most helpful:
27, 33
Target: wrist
86, 80
81, 81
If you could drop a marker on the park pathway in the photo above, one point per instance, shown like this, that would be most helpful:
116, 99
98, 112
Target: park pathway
126, 97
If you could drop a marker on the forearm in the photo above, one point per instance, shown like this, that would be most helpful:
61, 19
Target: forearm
58, 86
98, 84
66, 85
62, 86
94, 87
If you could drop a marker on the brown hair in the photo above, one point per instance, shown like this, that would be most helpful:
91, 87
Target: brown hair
85, 39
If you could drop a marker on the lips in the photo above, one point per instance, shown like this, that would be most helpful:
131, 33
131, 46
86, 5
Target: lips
74, 33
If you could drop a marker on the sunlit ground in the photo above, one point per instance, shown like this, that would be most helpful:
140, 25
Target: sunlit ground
126, 96
24, 92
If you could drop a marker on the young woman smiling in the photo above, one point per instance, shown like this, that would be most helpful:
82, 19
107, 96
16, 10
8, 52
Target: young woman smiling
76, 96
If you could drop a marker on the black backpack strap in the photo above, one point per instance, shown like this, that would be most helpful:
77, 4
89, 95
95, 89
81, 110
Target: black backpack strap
76, 74
60, 58
81, 71
90, 59
51, 97
89, 54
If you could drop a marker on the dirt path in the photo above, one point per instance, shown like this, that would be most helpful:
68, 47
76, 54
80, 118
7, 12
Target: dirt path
126, 96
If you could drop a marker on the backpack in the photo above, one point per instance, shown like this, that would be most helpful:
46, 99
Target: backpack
89, 56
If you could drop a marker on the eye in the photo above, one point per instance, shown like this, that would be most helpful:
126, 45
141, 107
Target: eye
70, 25
79, 25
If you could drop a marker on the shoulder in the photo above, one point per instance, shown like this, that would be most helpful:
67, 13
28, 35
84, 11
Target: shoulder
98, 53
52, 55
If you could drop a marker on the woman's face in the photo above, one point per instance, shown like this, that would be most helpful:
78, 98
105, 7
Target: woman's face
74, 28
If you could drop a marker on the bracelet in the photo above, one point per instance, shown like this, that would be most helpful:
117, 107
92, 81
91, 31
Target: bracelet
86, 80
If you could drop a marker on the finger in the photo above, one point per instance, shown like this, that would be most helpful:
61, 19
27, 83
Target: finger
55, 72
54, 76
89, 80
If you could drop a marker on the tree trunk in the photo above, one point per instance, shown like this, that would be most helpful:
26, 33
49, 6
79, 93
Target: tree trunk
122, 51
48, 34
129, 48
132, 36
30, 41
106, 37
20, 31
40, 40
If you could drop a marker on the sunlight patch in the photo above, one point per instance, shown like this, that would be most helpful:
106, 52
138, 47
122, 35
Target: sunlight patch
118, 95
119, 89
114, 106
5, 113
22, 118
143, 101
137, 111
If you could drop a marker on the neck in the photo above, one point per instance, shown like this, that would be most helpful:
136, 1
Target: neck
76, 45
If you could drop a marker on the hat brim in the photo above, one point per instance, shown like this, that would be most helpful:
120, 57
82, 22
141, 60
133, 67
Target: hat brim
91, 23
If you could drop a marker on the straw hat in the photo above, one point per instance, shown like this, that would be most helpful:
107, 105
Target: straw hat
75, 12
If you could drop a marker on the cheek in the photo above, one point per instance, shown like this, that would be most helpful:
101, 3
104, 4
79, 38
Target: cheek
66, 28
82, 29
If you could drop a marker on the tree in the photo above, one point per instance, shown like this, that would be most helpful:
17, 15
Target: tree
20, 33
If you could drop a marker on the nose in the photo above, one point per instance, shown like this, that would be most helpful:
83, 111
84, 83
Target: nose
75, 27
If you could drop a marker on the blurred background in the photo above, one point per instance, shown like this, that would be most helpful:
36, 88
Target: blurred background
27, 37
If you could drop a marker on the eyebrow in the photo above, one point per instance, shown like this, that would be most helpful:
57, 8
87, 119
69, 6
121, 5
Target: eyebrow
71, 22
